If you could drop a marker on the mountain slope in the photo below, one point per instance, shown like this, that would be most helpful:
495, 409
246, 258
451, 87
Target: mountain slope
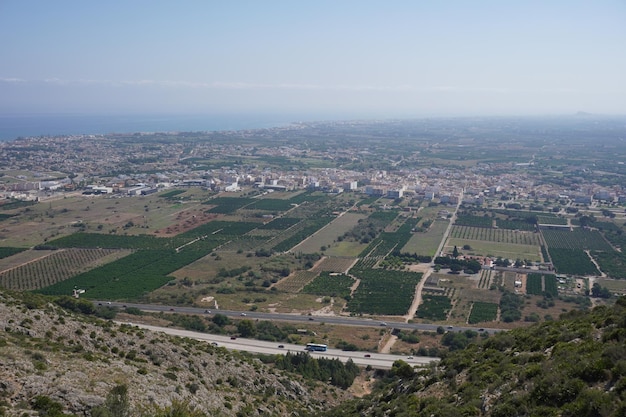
62, 363
575, 366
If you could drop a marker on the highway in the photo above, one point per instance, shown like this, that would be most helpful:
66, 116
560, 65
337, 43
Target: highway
375, 360
254, 315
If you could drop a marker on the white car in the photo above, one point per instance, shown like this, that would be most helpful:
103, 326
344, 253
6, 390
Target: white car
243, 314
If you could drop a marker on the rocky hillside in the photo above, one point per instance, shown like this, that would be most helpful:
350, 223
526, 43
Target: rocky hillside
573, 367
54, 363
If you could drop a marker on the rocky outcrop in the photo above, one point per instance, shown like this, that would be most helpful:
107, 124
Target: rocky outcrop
76, 361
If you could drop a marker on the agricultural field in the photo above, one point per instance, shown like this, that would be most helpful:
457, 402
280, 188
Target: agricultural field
172, 194
56, 266
540, 284
611, 263
270, 204
6, 252
4, 216
506, 279
302, 231
434, 307
551, 220
127, 278
429, 213
572, 262
209, 234
550, 285
466, 293
388, 241
296, 281
23, 257
515, 225
495, 235
463, 292
617, 238
483, 312
494, 249
248, 243
383, 292
226, 205
427, 243
148, 269
329, 234
606, 226
484, 280
280, 223
576, 239
534, 284
333, 264
346, 248
384, 216
474, 221
94, 240
330, 284
368, 201
206, 270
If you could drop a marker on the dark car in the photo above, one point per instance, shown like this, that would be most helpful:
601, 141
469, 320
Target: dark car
311, 318
233, 337
367, 355
281, 346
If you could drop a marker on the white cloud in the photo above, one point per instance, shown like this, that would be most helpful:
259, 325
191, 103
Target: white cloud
235, 85
12, 80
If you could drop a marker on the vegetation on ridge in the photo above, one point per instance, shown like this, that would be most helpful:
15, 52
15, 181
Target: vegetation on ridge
575, 367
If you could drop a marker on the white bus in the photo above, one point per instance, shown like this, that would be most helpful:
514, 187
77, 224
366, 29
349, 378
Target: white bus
316, 347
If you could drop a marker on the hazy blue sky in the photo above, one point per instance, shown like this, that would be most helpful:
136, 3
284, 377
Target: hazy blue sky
370, 58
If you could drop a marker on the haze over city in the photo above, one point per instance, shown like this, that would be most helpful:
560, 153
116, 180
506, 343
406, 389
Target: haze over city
346, 59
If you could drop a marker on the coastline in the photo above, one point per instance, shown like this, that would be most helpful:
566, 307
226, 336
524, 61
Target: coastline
16, 125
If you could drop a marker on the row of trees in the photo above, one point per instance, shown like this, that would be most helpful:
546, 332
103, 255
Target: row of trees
470, 266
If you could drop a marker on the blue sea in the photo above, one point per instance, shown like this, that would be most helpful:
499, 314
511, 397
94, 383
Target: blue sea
14, 126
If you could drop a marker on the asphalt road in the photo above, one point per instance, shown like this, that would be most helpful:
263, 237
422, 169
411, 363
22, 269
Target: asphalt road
375, 360
336, 320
